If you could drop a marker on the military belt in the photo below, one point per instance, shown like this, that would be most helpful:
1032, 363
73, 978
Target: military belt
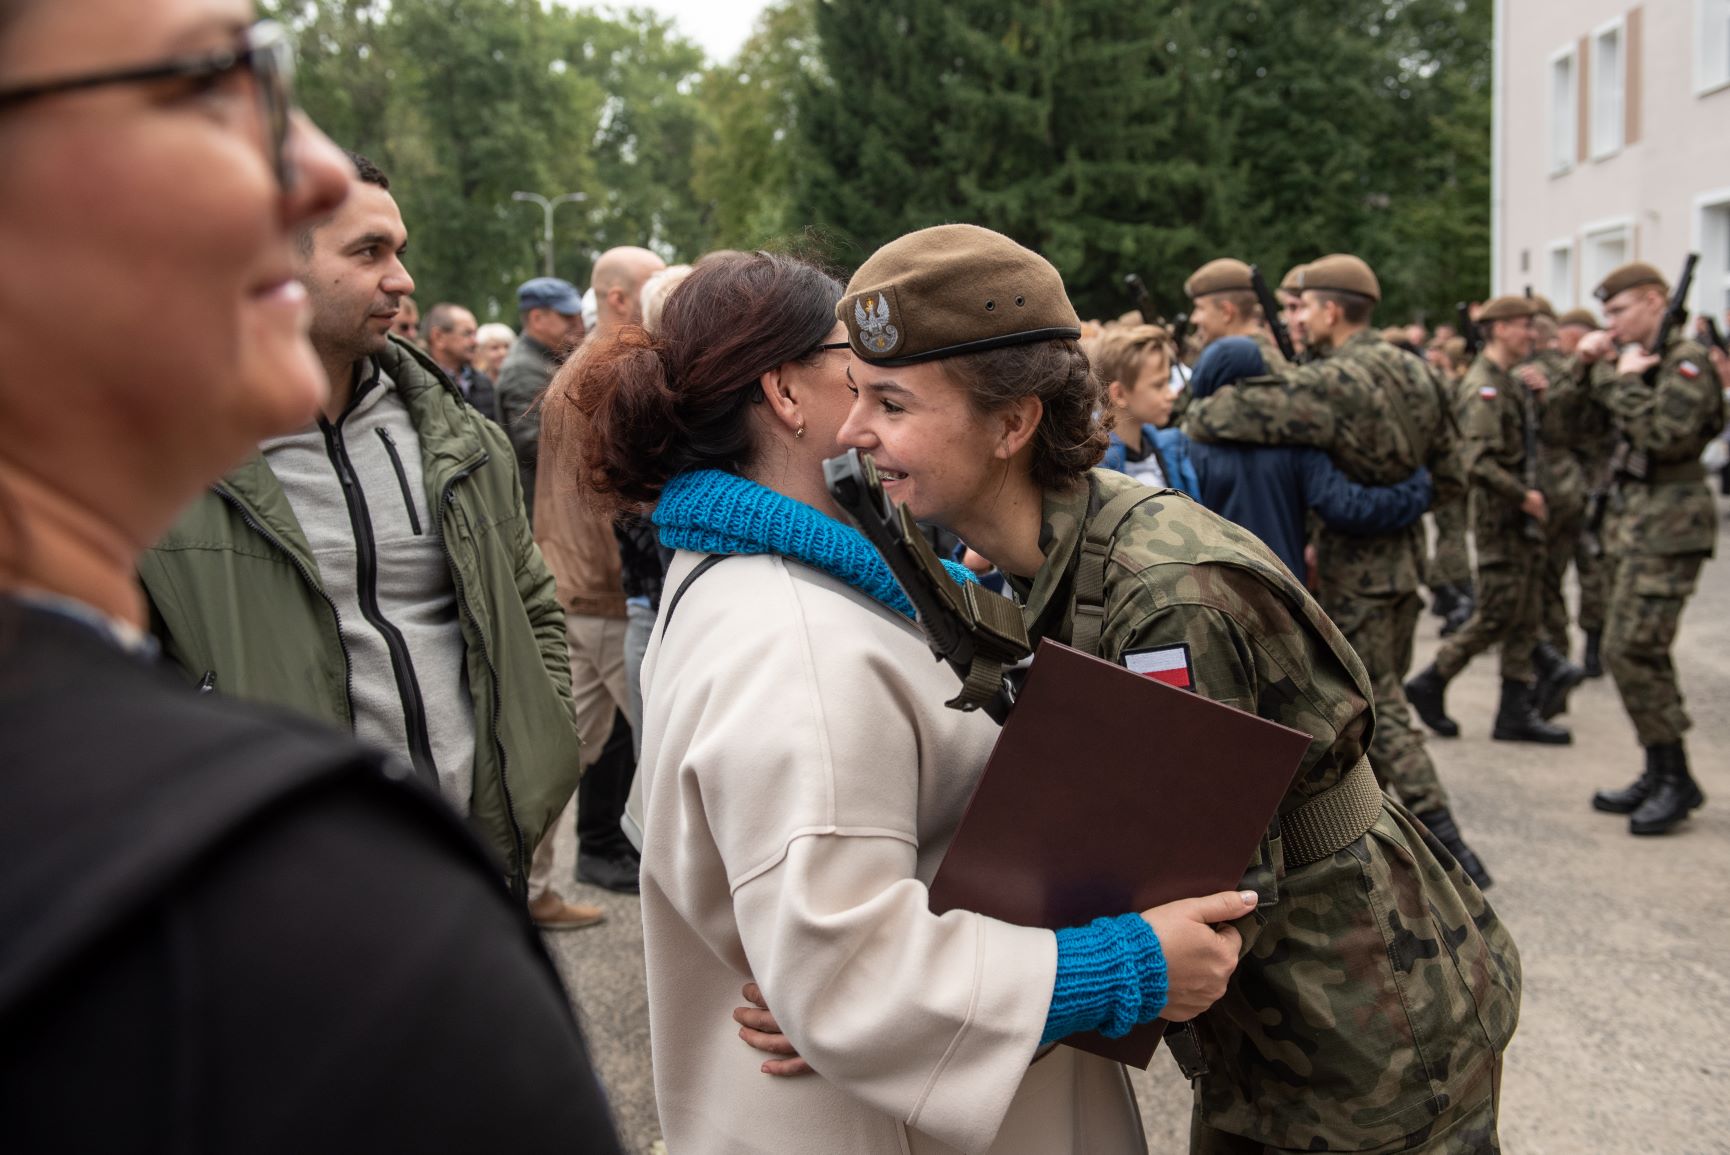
1674, 472
1333, 819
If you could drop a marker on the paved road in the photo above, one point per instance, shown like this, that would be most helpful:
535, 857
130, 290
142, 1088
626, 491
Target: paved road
1625, 942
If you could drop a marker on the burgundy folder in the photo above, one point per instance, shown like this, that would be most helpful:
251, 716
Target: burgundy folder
1109, 792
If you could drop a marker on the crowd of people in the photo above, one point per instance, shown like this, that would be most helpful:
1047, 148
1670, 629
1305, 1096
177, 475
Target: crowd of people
320, 615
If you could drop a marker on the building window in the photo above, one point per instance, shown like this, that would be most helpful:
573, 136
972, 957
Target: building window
1609, 74
1608, 246
1712, 275
1564, 110
1559, 282
1712, 45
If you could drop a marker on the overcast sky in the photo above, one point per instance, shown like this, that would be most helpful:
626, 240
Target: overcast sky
720, 26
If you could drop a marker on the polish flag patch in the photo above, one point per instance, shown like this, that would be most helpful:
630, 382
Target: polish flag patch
1689, 370
1168, 664
1487, 392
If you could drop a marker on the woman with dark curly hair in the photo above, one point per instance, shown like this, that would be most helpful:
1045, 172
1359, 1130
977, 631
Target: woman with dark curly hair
802, 780
1378, 989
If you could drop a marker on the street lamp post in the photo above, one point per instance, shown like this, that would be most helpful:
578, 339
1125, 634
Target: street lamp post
547, 207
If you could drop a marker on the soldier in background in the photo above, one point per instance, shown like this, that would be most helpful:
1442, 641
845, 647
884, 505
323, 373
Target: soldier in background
1223, 304
1662, 526
1499, 421
1290, 297
1449, 577
1381, 413
1593, 453
1565, 422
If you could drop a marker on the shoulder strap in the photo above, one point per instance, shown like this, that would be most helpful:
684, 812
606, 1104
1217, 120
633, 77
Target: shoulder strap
1090, 577
697, 571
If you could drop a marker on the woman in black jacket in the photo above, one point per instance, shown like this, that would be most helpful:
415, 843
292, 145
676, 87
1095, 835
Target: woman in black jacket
220, 928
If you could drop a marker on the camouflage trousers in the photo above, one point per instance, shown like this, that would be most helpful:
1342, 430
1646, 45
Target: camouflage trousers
1506, 615
1466, 1130
1381, 630
1594, 572
1561, 533
1450, 565
1645, 608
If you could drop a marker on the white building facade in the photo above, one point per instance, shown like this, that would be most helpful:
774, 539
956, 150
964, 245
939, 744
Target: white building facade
1611, 144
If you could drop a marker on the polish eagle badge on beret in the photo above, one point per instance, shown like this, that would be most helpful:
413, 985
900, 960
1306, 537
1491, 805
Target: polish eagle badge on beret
876, 332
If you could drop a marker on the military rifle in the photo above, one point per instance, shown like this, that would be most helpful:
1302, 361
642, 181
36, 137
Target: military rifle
1469, 330
1177, 325
979, 633
1625, 460
1270, 311
1714, 335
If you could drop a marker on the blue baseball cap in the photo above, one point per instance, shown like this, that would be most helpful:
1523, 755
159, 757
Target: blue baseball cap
550, 293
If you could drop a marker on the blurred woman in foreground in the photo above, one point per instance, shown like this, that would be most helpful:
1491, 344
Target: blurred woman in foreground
225, 929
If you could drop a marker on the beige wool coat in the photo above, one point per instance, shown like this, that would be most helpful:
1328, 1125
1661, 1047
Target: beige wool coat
802, 781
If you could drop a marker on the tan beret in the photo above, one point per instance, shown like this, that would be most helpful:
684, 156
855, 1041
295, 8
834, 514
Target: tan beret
1508, 309
1340, 273
1580, 317
1226, 275
1545, 309
1293, 281
1455, 348
953, 289
1630, 277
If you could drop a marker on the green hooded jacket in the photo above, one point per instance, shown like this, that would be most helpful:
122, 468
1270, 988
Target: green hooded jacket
236, 602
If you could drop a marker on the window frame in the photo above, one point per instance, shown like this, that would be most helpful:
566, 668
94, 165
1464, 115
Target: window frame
1708, 277
1709, 12
1617, 122
1624, 226
1564, 297
1564, 156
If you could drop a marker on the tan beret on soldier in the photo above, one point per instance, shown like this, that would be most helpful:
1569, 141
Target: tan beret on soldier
1581, 317
1292, 282
1340, 273
1544, 308
953, 289
1508, 309
1225, 275
1630, 276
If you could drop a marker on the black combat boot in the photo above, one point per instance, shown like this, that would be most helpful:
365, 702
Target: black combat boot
1425, 692
1461, 611
1557, 677
1441, 824
1517, 719
1593, 662
1672, 798
1443, 598
1628, 798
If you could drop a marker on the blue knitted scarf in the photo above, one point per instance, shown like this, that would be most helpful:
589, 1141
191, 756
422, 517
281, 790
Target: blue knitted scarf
709, 511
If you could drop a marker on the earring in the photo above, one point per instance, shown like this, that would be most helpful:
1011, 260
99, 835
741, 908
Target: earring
799, 432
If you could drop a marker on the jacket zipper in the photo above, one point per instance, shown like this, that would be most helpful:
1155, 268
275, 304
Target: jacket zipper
519, 871
366, 555
401, 478
255, 526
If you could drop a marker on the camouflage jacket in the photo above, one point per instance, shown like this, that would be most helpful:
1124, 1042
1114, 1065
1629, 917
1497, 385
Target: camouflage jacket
1380, 986
1380, 412
1672, 512
1493, 419
1568, 422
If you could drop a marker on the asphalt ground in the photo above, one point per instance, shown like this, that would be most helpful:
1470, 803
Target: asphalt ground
1624, 1039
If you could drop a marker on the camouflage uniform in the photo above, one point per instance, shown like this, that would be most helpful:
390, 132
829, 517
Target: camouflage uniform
1659, 531
1567, 421
1381, 413
1450, 562
1493, 420
1594, 570
1378, 988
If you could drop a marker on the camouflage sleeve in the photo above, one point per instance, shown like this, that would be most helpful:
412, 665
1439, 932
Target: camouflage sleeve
1486, 456
1295, 409
1566, 412
1673, 420
1447, 471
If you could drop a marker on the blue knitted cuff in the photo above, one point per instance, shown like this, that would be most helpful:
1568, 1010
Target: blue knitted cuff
1110, 978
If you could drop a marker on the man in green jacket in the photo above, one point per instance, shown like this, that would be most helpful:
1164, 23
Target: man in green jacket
376, 570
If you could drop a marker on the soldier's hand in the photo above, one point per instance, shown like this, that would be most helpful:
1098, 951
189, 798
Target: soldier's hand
1535, 378
757, 1026
1534, 505
1635, 361
1200, 949
1595, 346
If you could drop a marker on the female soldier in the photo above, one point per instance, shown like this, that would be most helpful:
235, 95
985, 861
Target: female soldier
1379, 989
225, 929
802, 780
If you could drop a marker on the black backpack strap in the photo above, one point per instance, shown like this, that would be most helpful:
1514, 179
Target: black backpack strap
697, 571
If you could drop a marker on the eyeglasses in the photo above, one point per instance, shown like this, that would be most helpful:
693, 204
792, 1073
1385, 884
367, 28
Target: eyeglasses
264, 49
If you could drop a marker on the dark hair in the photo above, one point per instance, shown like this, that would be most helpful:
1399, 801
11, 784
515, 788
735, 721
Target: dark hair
1356, 309
441, 318
366, 171
1226, 360
1071, 438
637, 409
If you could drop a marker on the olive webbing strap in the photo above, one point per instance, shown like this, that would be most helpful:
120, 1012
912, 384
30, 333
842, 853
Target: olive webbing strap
1089, 619
1333, 819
